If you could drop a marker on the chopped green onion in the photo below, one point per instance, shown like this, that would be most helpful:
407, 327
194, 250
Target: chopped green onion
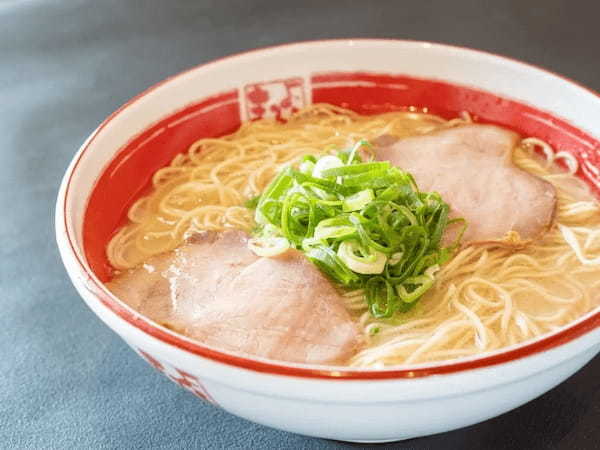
252, 203
307, 167
419, 285
364, 224
324, 164
325, 232
354, 169
357, 146
395, 258
269, 247
358, 201
375, 330
370, 262
326, 260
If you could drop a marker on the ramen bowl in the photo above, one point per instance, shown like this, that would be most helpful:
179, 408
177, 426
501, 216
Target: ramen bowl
116, 162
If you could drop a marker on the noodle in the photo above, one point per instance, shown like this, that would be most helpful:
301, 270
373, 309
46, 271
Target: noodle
485, 298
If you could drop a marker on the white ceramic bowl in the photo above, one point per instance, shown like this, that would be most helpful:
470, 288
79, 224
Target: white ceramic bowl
369, 76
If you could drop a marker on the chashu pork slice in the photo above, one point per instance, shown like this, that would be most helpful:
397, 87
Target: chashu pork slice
213, 289
281, 308
177, 286
471, 167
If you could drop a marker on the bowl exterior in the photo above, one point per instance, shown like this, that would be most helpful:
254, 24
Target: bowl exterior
365, 410
358, 411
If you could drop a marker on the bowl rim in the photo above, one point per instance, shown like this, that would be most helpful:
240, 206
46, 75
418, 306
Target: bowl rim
566, 334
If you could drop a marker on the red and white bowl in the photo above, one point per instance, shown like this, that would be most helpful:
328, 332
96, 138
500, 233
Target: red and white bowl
114, 165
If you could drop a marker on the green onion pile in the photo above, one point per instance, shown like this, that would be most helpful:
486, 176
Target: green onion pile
364, 224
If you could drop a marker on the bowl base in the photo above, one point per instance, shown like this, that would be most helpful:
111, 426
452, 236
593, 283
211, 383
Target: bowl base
381, 441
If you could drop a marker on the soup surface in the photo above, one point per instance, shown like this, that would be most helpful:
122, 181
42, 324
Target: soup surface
486, 295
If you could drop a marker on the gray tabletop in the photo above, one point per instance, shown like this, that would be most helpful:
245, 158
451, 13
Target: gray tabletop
66, 381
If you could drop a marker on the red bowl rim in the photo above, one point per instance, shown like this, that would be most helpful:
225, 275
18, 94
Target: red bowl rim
569, 333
